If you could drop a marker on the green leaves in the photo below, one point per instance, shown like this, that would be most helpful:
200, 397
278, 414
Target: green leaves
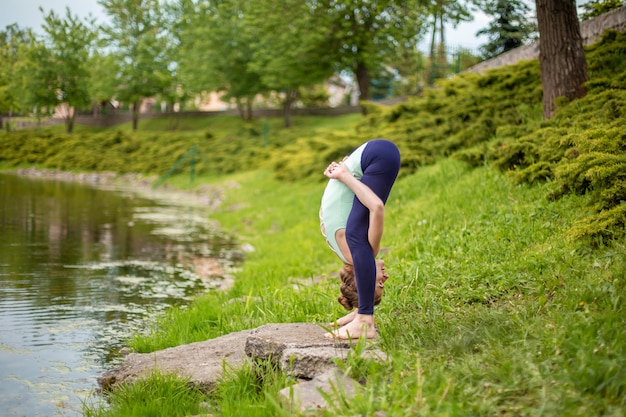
12, 40
58, 65
510, 26
140, 40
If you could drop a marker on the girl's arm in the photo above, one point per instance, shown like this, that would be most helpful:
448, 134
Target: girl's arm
367, 197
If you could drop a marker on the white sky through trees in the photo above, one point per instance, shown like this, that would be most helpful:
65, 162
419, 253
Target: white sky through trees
26, 14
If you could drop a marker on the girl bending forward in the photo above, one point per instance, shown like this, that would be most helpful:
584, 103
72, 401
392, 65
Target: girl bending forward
352, 219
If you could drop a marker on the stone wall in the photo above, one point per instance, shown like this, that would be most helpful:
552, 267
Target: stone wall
108, 120
591, 30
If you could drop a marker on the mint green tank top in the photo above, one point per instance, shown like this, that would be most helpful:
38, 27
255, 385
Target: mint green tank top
337, 202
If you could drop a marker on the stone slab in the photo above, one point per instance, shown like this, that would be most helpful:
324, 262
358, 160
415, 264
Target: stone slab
201, 362
299, 349
310, 395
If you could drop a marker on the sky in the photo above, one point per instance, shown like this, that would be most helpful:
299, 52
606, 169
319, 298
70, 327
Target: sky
26, 14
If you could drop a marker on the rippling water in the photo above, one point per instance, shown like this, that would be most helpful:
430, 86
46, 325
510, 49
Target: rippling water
82, 268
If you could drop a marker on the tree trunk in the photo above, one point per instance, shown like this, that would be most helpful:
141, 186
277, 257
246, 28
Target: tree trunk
173, 116
290, 97
561, 54
135, 115
363, 79
69, 123
249, 108
441, 60
8, 122
431, 75
240, 108
69, 120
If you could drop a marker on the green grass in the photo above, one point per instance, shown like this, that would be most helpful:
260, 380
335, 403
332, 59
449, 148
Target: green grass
489, 309
501, 301
157, 395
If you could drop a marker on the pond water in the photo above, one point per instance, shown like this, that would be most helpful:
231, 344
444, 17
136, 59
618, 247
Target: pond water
81, 269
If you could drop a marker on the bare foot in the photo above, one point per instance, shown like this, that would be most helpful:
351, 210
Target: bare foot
344, 320
361, 325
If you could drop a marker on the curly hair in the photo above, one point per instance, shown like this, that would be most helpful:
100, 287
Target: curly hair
349, 297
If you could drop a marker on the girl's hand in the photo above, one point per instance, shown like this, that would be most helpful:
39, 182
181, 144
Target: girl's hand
336, 170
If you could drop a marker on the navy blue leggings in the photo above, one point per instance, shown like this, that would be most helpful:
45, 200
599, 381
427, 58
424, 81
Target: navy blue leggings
380, 162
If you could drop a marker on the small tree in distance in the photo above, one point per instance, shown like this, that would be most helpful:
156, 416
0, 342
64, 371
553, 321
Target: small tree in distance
594, 8
59, 66
12, 39
510, 28
138, 34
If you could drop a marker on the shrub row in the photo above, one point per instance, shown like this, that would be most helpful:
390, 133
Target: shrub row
119, 151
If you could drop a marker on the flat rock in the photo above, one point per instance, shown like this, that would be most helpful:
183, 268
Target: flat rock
299, 349
310, 395
201, 362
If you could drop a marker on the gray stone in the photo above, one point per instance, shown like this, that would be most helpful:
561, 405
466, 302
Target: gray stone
201, 362
311, 361
269, 341
309, 395
299, 349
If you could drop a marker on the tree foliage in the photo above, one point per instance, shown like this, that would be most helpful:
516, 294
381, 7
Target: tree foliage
12, 40
177, 50
364, 36
249, 48
102, 85
510, 28
289, 47
217, 52
58, 66
140, 40
594, 8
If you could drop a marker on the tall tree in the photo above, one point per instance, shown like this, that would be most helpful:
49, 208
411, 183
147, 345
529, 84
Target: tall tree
36, 79
510, 28
60, 76
11, 40
409, 65
139, 37
216, 51
176, 92
288, 48
362, 35
561, 55
103, 86
442, 12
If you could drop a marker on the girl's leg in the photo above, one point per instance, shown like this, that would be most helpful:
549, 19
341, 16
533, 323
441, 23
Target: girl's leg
342, 321
380, 163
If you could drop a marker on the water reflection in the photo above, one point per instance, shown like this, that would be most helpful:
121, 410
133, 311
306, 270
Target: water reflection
81, 269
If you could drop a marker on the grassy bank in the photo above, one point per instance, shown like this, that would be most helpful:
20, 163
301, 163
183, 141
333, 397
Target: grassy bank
489, 309
502, 301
